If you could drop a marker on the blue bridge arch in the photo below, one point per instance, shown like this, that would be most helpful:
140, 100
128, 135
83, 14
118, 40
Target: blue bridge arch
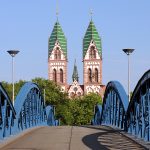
7, 113
29, 106
138, 113
115, 104
29, 110
133, 116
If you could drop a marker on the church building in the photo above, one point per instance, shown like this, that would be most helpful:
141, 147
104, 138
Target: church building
92, 62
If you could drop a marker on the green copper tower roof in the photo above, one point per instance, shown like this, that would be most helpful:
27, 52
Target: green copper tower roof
57, 35
75, 73
92, 34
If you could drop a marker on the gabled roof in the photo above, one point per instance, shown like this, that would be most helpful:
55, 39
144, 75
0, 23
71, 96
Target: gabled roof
57, 35
91, 34
75, 84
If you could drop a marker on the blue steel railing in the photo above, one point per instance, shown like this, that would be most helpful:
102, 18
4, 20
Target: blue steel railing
7, 113
138, 113
97, 115
113, 108
29, 110
132, 117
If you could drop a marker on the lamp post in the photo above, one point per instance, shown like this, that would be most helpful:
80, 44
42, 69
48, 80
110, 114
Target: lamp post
13, 53
128, 51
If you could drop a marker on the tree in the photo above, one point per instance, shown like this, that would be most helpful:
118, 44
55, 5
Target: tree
88, 103
77, 111
8, 87
53, 93
131, 93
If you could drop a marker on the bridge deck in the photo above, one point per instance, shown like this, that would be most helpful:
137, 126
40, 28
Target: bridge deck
73, 138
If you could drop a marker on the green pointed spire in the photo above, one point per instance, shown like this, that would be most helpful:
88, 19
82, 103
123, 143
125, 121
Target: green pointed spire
57, 35
92, 34
75, 73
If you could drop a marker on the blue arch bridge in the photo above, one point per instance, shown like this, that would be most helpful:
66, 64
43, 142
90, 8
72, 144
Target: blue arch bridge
116, 124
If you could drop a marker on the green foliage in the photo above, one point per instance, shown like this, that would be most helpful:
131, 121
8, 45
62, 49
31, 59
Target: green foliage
8, 87
77, 111
131, 94
18, 86
53, 93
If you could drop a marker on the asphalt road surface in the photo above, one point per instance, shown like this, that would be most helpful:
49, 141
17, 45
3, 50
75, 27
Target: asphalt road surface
73, 138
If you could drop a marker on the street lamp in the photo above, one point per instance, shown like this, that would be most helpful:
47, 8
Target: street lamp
128, 51
13, 53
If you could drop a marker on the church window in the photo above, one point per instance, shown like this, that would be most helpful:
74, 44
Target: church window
92, 52
89, 75
72, 94
57, 53
96, 75
54, 75
61, 75
79, 93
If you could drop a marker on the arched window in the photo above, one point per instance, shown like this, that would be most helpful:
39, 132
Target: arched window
54, 75
96, 75
61, 75
57, 53
92, 52
79, 93
89, 75
72, 94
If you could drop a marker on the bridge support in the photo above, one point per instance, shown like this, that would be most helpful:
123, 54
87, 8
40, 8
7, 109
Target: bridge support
133, 117
29, 110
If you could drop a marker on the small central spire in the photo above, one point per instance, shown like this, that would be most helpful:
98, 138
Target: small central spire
75, 76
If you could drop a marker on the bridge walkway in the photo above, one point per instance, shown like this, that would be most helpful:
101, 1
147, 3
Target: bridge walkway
73, 138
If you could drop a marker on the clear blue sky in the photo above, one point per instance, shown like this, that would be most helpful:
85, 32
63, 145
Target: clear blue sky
26, 25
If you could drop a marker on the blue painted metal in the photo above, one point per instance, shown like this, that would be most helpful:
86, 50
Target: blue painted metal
115, 104
133, 117
50, 116
29, 106
138, 113
29, 110
7, 113
97, 115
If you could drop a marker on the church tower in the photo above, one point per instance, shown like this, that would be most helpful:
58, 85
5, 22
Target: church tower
92, 60
57, 56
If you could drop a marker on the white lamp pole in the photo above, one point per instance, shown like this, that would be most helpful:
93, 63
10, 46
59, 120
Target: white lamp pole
13, 53
128, 51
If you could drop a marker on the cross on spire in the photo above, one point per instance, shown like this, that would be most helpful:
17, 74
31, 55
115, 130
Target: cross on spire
91, 13
57, 12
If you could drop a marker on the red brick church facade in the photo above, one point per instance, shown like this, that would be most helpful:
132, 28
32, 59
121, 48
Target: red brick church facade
92, 62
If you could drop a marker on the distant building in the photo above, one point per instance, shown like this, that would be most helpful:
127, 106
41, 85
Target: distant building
75, 89
92, 62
